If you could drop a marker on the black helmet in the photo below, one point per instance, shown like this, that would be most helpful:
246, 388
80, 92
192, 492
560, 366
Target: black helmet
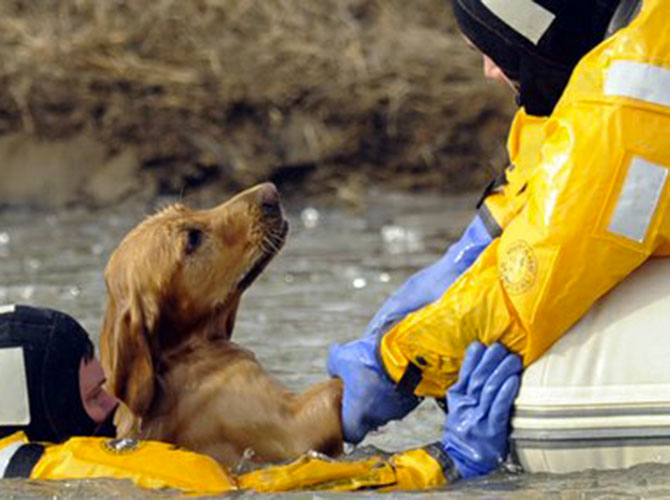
40, 355
537, 43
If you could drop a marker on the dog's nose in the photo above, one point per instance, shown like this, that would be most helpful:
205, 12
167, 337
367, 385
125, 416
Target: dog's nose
269, 200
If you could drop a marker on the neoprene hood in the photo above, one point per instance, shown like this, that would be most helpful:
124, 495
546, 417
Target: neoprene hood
537, 43
52, 345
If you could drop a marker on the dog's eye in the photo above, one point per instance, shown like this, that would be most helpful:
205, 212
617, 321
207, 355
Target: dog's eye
193, 239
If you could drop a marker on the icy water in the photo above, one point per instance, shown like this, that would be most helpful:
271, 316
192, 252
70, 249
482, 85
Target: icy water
337, 267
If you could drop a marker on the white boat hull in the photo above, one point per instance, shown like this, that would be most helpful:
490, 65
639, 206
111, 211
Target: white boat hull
600, 398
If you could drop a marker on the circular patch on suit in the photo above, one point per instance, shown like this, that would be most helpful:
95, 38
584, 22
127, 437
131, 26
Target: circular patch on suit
121, 446
518, 268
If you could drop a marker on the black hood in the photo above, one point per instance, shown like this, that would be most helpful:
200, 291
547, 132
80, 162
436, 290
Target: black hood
537, 43
53, 346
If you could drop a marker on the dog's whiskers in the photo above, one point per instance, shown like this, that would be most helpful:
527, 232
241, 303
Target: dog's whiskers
272, 242
267, 246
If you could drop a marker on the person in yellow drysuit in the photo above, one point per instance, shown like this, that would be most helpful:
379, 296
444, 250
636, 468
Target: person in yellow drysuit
583, 204
55, 408
593, 208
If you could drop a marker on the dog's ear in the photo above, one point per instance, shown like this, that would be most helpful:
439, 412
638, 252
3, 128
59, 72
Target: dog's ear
127, 357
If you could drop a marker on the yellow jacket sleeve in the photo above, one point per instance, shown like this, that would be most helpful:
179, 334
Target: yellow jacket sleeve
596, 208
509, 194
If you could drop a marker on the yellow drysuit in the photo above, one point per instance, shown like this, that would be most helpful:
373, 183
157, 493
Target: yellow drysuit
578, 215
154, 465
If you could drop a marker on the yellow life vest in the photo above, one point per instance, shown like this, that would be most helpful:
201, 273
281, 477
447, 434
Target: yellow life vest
154, 465
148, 464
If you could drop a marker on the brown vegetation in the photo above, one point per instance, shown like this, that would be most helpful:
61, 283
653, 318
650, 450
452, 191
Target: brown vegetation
243, 90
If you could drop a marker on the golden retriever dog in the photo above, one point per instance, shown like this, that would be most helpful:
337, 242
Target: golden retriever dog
174, 286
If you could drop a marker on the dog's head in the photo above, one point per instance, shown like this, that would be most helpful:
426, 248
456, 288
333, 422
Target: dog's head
182, 271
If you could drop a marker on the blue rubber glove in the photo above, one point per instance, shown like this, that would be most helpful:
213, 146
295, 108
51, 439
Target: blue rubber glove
476, 434
430, 283
370, 398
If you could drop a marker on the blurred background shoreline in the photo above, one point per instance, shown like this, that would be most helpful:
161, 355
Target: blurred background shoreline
104, 102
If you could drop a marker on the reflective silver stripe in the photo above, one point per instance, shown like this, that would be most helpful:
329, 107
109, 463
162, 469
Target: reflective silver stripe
566, 412
637, 80
6, 455
15, 408
638, 200
7, 308
529, 19
591, 438
577, 444
592, 434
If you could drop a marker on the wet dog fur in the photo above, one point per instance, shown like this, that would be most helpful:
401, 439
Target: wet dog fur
174, 286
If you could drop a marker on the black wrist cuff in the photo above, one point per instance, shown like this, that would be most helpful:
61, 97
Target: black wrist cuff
410, 379
449, 470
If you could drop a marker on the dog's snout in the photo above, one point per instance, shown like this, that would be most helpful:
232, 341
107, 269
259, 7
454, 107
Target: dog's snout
269, 200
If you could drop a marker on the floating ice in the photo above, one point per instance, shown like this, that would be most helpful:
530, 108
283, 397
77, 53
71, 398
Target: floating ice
398, 239
310, 217
28, 292
359, 283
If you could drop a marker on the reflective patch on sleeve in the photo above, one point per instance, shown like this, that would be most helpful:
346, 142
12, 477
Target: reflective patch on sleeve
526, 17
639, 198
7, 308
637, 80
15, 409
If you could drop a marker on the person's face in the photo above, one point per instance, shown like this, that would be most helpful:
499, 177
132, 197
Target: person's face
491, 70
99, 404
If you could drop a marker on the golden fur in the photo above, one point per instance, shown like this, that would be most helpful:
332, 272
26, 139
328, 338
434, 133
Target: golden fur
174, 286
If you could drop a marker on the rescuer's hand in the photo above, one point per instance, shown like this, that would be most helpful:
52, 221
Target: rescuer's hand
476, 434
370, 398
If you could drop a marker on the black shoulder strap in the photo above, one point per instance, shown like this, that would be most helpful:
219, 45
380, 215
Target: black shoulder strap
22, 462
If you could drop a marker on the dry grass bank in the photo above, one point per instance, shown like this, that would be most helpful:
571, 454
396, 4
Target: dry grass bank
243, 90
